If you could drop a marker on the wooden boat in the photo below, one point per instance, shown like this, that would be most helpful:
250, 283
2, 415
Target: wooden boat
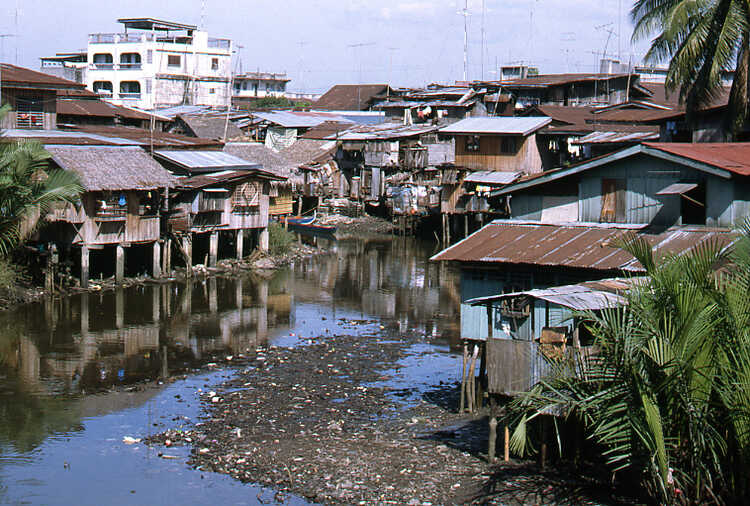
306, 225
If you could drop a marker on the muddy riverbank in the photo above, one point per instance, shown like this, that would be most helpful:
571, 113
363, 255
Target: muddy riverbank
337, 420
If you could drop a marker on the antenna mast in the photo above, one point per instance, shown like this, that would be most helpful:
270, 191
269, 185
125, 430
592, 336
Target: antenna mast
465, 13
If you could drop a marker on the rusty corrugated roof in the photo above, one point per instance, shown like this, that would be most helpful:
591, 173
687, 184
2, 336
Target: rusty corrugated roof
19, 77
350, 97
576, 245
731, 156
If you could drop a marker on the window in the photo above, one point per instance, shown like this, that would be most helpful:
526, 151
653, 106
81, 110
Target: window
103, 61
472, 143
148, 85
508, 145
212, 90
130, 89
29, 111
150, 56
130, 61
103, 88
173, 60
214, 64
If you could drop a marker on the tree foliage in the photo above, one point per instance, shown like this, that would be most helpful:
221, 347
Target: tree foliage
701, 39
666, 394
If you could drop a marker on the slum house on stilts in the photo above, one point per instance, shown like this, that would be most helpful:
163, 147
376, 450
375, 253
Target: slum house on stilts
222, 194
529, 332
565, 222
125, 194
490, 153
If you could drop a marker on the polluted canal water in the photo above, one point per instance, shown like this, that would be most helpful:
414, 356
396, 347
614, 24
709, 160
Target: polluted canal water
81, 375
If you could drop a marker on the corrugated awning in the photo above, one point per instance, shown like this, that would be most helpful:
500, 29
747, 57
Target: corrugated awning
677, 189
574, 297
492, 177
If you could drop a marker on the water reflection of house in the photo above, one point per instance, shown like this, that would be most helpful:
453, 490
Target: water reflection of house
124, 191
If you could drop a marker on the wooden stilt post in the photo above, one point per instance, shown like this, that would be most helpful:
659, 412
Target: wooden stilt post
466, 225
463, 378
543, 449
506, 437
472, 381
492, 442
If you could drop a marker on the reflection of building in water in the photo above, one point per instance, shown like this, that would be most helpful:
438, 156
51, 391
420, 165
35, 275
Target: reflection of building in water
387, 279
96, 340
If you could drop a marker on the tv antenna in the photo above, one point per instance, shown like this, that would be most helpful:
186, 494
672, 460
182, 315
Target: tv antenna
465, 13
606, 28
355, 49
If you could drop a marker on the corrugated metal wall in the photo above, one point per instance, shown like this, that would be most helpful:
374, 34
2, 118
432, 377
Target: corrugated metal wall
726, 200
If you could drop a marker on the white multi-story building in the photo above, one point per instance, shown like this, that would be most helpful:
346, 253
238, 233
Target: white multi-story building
260, 84
159, 63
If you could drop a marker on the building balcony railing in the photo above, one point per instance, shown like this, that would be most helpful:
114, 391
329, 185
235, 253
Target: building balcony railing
132, 96
130, 66
104, 93
119, 38
102, 66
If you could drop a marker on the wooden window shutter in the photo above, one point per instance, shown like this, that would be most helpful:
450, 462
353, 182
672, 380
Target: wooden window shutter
247, 195
613, 201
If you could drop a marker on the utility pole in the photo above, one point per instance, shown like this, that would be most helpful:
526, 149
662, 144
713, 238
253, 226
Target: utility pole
301, 64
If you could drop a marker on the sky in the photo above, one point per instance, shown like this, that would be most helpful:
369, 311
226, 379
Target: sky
324, 42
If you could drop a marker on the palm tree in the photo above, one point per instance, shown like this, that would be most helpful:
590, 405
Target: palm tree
28, 188
667, 393
701, 38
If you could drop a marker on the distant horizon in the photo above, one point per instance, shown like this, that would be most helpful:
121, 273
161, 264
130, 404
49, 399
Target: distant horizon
406, 44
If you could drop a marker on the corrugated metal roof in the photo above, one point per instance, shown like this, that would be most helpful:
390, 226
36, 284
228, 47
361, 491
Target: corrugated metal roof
492, 177
19, 77
577, 245
288, 119
590, 295
112, 168
384, 131
206, 160
498, 125
607, 137
731, 156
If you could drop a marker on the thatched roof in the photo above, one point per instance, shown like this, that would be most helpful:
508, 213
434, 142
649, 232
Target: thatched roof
259, 153
112, 168
308, 151
210, 126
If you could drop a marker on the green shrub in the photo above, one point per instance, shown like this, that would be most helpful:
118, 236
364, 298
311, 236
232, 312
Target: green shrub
9, 278
279, 239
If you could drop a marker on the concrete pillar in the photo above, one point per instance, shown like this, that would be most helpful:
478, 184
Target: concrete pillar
156, 303
213, 295
156, 264
240, 245
119, 263
167, 257
263, 239
84, 266
187, 246
213, 249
